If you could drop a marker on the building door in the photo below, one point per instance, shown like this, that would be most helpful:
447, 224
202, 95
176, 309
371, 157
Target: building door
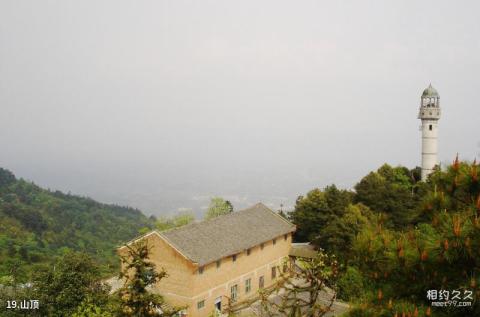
218, 305
261, 282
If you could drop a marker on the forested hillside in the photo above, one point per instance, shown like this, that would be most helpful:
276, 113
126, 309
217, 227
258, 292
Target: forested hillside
37, 225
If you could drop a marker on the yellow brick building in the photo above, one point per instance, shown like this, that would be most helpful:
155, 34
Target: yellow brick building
222, 260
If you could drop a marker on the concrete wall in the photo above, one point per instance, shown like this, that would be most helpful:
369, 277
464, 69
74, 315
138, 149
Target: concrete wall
429, 146
429, 113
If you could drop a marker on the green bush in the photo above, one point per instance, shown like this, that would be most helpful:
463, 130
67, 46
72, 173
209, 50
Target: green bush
350, 284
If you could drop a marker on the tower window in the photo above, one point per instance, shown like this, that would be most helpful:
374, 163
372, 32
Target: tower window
430, 127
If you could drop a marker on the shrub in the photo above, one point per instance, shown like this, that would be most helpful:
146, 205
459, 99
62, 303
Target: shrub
350, 284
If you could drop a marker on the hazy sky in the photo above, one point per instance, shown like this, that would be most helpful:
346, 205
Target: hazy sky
162, 104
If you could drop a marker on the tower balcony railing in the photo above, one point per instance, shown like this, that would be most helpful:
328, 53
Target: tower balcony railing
429, 113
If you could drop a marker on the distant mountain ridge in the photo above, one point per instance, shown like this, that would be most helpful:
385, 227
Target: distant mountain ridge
37, 225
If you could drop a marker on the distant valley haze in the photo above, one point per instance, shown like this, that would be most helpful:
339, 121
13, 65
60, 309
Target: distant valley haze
161, 105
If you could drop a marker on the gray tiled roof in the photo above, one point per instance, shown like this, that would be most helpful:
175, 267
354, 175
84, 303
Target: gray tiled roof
207, 241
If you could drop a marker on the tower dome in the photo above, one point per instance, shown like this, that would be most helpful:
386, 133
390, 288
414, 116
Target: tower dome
430, 99
430, 92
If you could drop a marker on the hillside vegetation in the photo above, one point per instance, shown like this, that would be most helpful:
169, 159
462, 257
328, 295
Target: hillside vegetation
38, 225
399, 238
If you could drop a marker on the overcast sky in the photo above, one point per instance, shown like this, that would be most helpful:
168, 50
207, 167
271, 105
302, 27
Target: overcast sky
162, 104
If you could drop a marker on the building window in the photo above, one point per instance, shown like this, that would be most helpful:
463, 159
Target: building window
274, 272
261, 282
248, 251
234, 257
285, 237
201, 304
200, 270
274, 241
248, 285
219, 262
261, 246
430, 127
234, 293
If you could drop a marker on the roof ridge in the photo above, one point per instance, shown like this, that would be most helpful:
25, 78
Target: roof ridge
214, 218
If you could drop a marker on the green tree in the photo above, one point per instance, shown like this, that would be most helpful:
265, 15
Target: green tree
138, 274
218, 206
339, 234
6, 177
183, 219
350, 284
64, 286
441, 252
89, 309
315, 211
179, 220
391, 191
15, 272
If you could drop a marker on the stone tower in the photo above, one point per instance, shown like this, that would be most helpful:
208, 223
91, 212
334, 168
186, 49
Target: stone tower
429, 114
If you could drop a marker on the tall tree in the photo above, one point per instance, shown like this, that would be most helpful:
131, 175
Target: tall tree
391, 191
318, 209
